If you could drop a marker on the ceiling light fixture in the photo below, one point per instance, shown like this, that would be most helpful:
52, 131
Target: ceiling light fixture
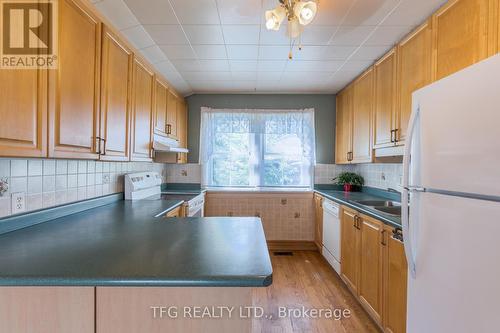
298, 13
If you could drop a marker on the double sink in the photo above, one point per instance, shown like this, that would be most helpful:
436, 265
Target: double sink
384, 206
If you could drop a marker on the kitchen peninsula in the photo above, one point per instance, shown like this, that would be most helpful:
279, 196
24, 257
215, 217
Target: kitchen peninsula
104, 269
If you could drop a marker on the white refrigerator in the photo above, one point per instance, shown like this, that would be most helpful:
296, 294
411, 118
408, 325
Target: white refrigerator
451, 183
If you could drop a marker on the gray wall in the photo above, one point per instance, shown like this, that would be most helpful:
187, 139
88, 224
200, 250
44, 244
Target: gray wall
324, 106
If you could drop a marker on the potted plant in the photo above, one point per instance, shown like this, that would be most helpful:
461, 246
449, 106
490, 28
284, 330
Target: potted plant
350, 180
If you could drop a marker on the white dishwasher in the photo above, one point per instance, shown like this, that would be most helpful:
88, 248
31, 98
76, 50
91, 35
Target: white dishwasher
331, 233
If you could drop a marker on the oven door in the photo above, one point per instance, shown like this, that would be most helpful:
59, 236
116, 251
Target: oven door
196, 206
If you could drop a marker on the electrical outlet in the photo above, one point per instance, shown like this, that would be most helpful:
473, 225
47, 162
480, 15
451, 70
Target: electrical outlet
105, 179
184, 173
18, 202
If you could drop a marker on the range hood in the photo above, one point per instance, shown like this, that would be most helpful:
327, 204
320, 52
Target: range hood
167, 145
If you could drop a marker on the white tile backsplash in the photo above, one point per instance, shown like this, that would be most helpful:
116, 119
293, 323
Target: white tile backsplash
183, 173
47, 183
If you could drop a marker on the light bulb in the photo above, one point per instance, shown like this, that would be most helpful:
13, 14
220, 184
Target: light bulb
306, 13
270, 24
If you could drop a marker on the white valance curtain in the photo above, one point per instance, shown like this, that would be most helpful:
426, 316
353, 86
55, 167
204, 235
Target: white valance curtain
257, 147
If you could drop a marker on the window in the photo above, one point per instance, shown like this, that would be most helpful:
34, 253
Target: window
250, 148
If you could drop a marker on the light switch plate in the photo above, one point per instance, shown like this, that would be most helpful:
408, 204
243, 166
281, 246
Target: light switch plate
18, 202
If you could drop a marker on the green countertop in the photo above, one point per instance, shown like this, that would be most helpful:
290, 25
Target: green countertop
349, 199
124, 244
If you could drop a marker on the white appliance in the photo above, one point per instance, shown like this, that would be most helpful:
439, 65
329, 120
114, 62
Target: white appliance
331, 234
147, 186
452, 185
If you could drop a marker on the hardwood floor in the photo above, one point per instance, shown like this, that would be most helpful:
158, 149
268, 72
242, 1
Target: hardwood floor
306, 280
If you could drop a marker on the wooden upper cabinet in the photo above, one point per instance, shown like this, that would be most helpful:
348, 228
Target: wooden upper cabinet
395, 284
384, 112
414, 72
116, 82
371, 266
172, 115
23, 112
343, 131
361, 118
141, 129
459, 36
182, 124
350, 250
160, 118
74, 87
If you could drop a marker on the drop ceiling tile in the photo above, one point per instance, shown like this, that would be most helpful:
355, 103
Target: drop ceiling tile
387, 35
241, 34
268, 76
271, 65
244, 76
351, 35
196, 11
204, 34
413, 12
242, 52
154, 54
313, 66
370, 52
177, 52
273, 52
167, 34
268, 86
210, 51
306, 77
240, 11
211, 86
214, 65
187, 65
317, 34
165, 67
201, 76
243, 65
244, 85
118, 13
154, 12
138, 37
332, 12
356, 65
338, 52
271, 37
310, 52
369, 12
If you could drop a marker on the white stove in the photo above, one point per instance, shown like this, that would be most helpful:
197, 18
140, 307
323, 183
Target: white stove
147, 186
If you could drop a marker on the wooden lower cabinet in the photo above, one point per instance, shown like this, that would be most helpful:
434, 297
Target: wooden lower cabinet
318, 221
176, 212
395, 283
371, 265
374, 268
349, 243
47, 309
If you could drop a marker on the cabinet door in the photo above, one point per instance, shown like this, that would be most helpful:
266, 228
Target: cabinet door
371, 265
414, 72
74, 112
142, 112
459, 36
182, 123
384, 98
318, 230
350, 249
361, 118
116, 81
172, 115
161, 109
23, 113
395, 283
343, 129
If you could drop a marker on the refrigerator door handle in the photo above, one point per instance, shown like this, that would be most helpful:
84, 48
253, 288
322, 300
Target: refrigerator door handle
405, 216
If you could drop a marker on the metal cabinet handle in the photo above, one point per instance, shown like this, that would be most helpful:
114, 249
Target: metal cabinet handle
396, 135
104, 150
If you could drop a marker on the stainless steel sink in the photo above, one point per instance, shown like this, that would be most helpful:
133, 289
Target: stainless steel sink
391, 210
379, 203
